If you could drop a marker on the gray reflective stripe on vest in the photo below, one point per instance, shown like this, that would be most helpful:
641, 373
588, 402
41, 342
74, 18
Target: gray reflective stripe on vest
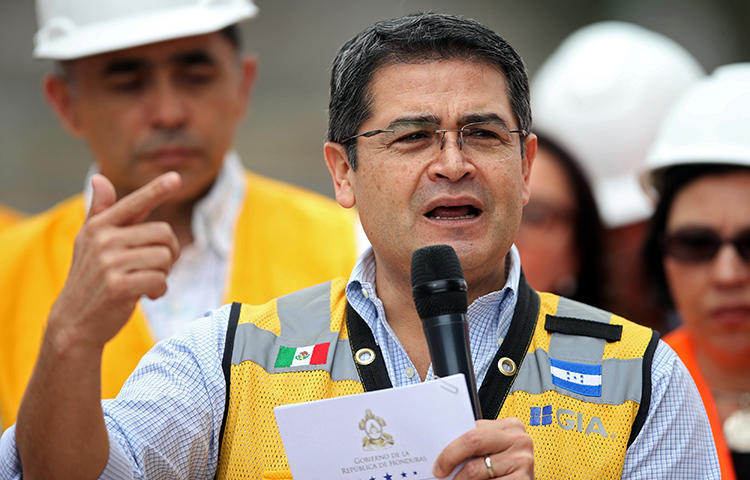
305, 320
621, 378
575, 348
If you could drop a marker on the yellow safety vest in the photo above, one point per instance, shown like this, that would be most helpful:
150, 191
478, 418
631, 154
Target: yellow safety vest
581, 426
286, 238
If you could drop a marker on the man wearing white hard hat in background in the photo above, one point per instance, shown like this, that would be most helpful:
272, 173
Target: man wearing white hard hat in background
601, 96
697, 249
153, 86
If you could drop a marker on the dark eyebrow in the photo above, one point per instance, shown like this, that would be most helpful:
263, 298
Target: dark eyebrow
193, 57
427, 118
124, 65
130, 65
435, 120
482, 117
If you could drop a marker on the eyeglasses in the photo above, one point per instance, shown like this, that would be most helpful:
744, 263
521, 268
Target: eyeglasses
699, 244
413, 139
545, 216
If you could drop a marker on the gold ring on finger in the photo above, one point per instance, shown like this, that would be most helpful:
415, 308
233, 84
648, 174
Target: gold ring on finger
488, 463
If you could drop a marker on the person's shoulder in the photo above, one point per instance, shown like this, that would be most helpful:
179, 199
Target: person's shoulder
287, 193
296, 206
47, 235
624, 338
567, 308
666, 359
213, 324
63, 219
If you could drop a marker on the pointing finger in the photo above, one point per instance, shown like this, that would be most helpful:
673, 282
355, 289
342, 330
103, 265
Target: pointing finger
137, 205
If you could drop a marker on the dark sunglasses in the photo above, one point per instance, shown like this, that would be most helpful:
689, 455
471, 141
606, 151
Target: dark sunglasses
699, 244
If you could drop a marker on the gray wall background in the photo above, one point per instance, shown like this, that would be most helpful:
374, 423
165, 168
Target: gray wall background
295, 41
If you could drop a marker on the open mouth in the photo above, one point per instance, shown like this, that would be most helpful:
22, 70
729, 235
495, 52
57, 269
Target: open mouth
459, 212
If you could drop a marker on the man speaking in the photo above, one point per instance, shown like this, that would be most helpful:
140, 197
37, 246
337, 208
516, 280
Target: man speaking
429, 137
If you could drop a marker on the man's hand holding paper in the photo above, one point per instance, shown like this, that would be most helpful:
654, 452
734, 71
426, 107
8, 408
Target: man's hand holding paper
391, 434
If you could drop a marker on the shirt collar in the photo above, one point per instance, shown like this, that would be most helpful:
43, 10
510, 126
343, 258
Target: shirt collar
362, 280
512, 277
215, 214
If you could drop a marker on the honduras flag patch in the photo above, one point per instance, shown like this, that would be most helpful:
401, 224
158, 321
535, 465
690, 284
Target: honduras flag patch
577, 377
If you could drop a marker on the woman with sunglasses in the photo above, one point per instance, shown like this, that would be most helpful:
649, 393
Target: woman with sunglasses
698, 249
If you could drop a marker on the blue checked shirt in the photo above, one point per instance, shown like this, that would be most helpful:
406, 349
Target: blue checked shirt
165, 422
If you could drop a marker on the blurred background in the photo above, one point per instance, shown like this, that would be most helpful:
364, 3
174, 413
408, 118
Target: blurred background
295, 41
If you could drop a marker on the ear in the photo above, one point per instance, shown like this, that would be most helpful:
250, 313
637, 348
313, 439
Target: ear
248, 69
341, 173
58, 93
526, 163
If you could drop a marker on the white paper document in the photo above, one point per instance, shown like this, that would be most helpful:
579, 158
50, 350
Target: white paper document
393, 434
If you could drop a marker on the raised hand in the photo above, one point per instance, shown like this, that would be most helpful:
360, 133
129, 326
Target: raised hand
117, 258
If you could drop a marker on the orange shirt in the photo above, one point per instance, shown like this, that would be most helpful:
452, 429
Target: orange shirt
682, 343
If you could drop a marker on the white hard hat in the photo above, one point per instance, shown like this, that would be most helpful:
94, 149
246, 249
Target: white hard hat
71, 29
601, 96
709, 124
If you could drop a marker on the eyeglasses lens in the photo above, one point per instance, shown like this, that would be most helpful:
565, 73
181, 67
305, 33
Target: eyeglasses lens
491, 139
545, 216
701, 244
742, 244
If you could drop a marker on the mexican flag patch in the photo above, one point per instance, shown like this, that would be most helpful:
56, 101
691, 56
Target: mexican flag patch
307, 355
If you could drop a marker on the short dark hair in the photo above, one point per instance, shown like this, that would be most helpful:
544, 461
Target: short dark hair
674, 179
416, 38
232, 33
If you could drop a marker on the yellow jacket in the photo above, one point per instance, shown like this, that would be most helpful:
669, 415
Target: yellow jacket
579, 431
286, 239
8, 217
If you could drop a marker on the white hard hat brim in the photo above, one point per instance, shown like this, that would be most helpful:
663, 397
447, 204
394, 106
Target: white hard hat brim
56, 42
715, 154
708, 125
621, 201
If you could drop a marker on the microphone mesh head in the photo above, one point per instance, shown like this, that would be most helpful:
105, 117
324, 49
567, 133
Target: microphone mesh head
437, 263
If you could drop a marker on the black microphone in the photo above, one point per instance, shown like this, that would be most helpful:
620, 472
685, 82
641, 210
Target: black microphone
439, 291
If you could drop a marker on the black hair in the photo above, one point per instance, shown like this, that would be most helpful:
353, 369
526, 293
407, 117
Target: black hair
588, 230
416, 38
232, 33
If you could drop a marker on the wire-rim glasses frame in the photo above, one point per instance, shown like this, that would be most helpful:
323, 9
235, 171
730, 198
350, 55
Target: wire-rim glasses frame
419, 131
